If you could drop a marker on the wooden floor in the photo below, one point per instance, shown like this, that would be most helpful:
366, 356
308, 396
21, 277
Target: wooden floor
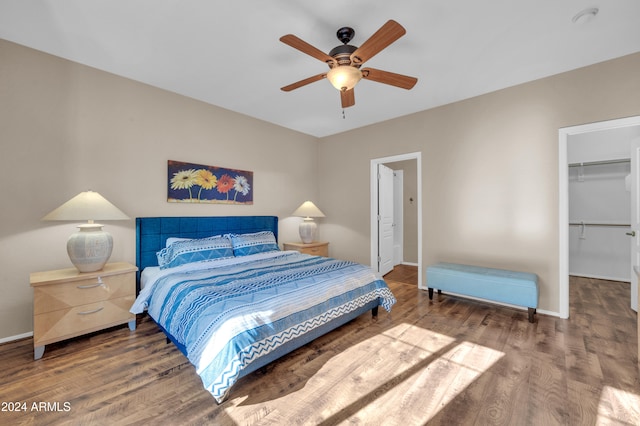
449, 361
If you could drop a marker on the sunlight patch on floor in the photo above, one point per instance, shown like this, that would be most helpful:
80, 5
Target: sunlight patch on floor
428, 341
384, 377
618, 407
434, 384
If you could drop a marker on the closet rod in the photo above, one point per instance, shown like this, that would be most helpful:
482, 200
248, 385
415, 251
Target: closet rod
625, 225
595, 163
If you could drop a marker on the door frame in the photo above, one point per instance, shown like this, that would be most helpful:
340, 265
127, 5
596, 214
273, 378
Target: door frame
563, 199
374, 206
635, 248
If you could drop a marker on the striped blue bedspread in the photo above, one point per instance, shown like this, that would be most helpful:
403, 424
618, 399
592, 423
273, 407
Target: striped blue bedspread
226, 317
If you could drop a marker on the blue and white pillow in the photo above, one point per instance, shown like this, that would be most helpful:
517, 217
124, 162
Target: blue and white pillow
172, 240
198, 250
258, 242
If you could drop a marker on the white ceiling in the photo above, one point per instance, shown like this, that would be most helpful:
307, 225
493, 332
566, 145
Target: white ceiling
228, 53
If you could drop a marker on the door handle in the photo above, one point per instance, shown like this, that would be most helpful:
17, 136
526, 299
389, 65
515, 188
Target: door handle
631, 234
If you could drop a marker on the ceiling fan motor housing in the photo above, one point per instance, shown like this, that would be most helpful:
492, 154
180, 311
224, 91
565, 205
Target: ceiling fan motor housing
342, 54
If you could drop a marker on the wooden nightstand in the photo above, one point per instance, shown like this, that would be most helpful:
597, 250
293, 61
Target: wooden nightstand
68, 303
319, 248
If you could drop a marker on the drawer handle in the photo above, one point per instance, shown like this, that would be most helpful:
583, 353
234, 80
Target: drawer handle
91, 312
97, 284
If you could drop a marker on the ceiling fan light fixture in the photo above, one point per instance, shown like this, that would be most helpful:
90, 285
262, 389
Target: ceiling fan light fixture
344, 77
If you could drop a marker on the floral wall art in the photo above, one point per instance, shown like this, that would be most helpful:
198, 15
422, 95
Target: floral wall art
195, 183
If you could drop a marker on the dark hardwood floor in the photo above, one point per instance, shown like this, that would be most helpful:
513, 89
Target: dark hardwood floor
449, 361
404, 274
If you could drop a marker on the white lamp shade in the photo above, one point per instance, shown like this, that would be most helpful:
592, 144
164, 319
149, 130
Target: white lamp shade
90, 248
88, 206
308, 209
344, 77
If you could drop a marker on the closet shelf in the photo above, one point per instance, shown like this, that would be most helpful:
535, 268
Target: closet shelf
623, 225
596, 163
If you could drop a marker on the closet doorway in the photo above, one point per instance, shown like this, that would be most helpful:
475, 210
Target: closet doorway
588, 153
412, 241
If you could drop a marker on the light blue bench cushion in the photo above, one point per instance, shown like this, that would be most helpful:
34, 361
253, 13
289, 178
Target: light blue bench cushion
515, 288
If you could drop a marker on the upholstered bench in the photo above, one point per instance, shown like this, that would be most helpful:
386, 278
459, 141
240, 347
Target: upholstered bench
498, 285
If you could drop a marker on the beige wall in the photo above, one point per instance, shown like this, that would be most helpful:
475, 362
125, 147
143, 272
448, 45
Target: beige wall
489, 170
66, 128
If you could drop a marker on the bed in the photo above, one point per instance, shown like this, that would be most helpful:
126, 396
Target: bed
232, 301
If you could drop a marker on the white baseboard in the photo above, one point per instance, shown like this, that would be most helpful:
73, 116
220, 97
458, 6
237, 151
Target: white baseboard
409, 263
17, 337
601, 277
550, 313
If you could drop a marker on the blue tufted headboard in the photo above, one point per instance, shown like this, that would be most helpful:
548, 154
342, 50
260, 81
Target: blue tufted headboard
152, 232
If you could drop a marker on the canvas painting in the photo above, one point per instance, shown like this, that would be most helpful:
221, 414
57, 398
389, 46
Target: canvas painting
196, 183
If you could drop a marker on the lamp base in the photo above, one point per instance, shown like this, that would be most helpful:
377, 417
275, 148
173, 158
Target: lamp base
90, 248
307, 230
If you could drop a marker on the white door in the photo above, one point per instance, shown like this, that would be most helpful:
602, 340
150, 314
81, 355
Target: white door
398, 225
635, 221
385, 219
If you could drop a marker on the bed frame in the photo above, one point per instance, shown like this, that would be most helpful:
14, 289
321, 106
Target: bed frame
151, 237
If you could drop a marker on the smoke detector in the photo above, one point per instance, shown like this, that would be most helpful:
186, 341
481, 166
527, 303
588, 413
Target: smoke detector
585, 16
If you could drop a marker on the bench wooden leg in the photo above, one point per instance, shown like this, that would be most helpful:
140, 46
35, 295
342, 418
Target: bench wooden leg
374, 312
532, 311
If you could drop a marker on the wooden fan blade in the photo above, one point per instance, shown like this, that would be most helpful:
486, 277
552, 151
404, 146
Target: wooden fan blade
305, 47
387, 34
303, 82
348, 98
386, 77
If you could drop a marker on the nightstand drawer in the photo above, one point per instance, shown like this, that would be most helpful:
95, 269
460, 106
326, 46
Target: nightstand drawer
66, 323
319, 248
316, 251
66, 295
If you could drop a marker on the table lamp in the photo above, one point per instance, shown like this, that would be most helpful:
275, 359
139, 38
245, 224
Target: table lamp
308, 227
90, 248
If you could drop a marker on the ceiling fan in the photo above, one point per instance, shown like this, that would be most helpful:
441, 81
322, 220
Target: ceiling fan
345, 61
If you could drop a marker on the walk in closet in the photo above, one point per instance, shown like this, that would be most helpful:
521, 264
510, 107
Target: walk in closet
600, 222
599, 219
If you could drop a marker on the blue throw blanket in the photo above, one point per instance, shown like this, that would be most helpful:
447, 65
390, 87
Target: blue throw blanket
227, 317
